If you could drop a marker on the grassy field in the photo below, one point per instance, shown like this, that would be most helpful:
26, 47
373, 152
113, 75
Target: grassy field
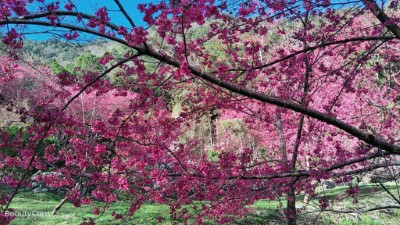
35, 209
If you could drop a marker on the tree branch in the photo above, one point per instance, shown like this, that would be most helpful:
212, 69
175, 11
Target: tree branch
362, 211
66, 26
382, 17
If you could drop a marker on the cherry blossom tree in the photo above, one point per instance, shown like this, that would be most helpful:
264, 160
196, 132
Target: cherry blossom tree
312, 85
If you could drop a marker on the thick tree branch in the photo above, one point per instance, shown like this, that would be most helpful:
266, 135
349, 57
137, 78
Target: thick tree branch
17, 21
382, 17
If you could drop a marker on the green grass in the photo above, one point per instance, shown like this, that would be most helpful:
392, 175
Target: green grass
370, 196
35, 209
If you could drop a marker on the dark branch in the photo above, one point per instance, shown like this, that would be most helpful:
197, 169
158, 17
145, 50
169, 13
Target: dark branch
362, 211
382, 17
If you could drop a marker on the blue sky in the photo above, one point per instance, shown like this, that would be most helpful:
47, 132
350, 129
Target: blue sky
90, 7
130, 6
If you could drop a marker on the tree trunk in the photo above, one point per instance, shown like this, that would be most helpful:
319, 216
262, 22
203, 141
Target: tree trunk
291, 195
213, 123
291, 213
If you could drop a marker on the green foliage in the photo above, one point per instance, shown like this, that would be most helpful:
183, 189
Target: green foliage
49, 50
176, 109
64, 53
12, 131
52, 140
85, 62
213, 155
56, 68
232, 125
216, 51
15, 131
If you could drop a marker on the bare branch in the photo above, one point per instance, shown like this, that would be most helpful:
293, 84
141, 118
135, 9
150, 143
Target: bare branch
362, 211
125, 13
